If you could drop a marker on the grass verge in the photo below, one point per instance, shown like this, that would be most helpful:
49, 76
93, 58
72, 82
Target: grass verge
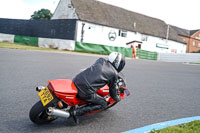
196, 63
191, 127
25, 47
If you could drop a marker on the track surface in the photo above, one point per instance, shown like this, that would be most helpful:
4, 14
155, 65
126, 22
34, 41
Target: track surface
160, 91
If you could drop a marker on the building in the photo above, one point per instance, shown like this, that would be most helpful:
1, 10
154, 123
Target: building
102, 26
191, 37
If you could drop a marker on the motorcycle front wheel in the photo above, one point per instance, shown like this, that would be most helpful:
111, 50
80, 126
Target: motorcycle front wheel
38, 114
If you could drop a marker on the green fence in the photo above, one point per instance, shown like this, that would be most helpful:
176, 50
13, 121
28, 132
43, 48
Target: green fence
32, 41
143, 54
102, 49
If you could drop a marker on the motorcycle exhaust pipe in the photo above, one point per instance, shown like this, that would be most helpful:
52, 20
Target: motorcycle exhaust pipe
58, 112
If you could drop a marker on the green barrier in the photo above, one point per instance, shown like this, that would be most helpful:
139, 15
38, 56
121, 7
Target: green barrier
32, 41
143, 54
102, 49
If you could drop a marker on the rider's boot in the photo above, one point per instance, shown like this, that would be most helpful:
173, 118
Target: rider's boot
75, 112
74, 115
87, 109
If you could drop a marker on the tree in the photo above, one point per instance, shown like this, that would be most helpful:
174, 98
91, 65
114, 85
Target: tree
43, 14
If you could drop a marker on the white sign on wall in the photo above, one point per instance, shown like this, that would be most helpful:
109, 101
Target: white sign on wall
112, 35
165, 46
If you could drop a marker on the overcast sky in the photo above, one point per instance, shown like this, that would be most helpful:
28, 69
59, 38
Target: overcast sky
181, 13
23, 9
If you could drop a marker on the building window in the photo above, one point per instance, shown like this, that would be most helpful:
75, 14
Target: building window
69, 6
144, 38
199, 44
193, 43
122, 33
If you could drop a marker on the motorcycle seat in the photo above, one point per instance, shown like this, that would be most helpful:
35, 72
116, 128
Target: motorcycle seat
65, 86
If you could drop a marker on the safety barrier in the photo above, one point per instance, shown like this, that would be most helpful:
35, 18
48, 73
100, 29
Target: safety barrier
101, 49
40, 42
174, 57
64, 44
7, 38
32, 41
143, 54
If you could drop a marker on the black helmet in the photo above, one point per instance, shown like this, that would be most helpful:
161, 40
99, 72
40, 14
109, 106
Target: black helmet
117, 60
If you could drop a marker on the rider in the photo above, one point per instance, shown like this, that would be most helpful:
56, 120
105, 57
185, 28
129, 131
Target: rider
89, 81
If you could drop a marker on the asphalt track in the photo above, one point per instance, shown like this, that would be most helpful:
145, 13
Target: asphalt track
160, 92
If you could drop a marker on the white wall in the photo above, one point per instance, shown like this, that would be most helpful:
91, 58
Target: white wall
179, 47
98, 34
65, 10
163, 46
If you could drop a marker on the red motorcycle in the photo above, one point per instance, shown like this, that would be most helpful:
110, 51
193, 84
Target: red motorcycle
59, 96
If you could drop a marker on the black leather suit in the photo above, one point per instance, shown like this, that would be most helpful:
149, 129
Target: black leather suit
89, 81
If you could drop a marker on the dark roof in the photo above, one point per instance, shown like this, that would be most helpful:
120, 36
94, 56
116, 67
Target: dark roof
184, 32
192, 32
108, 15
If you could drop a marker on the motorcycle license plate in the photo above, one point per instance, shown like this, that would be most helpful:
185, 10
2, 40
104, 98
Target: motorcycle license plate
45, 96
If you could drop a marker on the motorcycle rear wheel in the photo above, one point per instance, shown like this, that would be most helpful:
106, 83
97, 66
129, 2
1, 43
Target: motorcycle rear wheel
38, 114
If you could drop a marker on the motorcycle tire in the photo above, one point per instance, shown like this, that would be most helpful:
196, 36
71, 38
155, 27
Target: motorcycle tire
38, 114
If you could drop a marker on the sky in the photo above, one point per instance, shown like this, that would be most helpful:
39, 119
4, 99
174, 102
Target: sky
23, 9
180, 13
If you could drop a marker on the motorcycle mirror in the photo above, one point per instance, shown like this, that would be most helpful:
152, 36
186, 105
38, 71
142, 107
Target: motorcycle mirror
126, 91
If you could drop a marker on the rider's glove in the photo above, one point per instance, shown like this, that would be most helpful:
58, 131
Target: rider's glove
115, 93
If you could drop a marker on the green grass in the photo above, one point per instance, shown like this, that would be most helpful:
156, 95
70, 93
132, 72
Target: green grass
191, 127
196, 63
25, 47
